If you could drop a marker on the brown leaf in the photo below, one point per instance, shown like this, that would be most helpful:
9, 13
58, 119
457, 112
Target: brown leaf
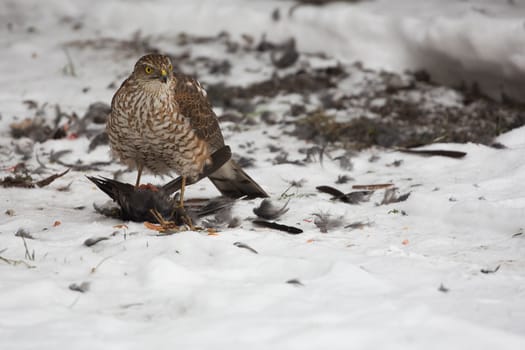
153, 227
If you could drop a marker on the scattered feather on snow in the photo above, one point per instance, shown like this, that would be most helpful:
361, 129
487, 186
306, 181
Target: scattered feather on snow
267, 210
245, 246
276, 226
82, 287
326, 222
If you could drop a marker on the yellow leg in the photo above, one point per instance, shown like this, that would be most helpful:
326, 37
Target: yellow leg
181, 204
182, 187
166, 226
139, 169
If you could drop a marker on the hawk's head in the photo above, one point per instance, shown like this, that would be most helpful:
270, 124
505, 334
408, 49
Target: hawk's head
153, 68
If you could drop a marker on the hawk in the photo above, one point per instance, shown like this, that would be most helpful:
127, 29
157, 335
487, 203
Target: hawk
162, 121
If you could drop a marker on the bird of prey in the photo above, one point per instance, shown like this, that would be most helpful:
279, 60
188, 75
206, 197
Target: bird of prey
162, 121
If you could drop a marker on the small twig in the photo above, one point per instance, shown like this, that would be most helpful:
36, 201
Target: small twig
84, 167
358, 225
74, 301
94, 269
69, 68
16, 262
28, 255
283, 195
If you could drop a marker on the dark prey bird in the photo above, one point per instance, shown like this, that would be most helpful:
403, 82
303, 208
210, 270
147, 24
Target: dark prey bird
140, 203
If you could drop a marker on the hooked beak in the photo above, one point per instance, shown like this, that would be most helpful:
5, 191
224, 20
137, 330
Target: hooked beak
163, 76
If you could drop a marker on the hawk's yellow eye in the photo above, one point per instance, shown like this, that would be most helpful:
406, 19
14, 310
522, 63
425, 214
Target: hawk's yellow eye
170, 68
148, 70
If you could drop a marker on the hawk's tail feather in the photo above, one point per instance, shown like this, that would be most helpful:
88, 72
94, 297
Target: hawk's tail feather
226, 175
230, 180
233, 182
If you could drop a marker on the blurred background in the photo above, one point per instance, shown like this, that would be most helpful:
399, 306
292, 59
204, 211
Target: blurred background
388, 73
456, 41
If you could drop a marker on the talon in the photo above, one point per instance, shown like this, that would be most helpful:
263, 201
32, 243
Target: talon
165, 226
139, 173
187, 220
185, 217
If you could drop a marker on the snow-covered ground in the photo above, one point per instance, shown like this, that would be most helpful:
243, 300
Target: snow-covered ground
443, 269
